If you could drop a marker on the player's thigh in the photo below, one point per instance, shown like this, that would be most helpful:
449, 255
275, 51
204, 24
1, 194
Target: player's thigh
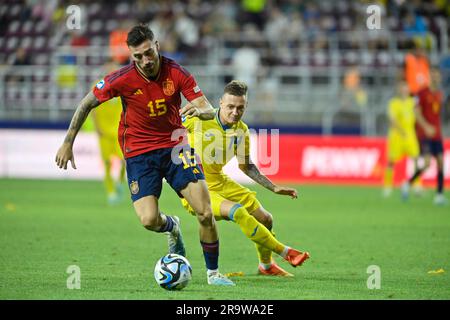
438, 151
144, 176
187, 179
219, 205
235, 192
412, 148
426, 151
395, 150
197, 196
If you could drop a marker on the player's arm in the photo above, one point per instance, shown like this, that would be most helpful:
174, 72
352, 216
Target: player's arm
199, 107
426, 126
65, 152
251, 170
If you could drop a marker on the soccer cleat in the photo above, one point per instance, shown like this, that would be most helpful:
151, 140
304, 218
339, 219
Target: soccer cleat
218, 279
175, 239
296, 258
405, 191
440, 200
274, 270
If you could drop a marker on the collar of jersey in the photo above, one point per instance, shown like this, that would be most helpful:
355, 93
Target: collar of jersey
223, 126
143, 75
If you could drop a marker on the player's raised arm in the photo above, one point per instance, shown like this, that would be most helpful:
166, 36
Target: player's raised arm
251, 170
199, 107
65, 152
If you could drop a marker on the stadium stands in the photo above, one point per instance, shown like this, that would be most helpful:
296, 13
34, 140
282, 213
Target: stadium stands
305, 47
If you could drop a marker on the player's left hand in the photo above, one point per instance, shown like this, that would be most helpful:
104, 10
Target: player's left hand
286, 191
189, 111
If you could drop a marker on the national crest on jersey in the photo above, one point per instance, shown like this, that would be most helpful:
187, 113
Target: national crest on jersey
168, 87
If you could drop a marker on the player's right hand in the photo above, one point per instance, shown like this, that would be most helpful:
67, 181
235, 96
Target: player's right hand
430, 131
63, 156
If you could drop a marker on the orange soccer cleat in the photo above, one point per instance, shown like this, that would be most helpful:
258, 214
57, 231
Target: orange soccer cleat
274, 270
296, 258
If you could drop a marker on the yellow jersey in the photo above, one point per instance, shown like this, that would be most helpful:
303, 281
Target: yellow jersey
216, 144
402, 111
107, 117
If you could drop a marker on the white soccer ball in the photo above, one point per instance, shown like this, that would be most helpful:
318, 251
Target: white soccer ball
173, 272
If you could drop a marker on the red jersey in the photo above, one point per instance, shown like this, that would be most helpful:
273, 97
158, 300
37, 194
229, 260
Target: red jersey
430, 104
150, 107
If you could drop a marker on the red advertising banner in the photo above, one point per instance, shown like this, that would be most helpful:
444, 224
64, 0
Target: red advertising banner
338, 160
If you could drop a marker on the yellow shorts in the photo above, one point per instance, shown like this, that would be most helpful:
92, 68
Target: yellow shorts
398, 148
228, 190
109, 146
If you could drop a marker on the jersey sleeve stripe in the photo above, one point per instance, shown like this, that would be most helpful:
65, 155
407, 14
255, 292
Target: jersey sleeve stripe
113, 76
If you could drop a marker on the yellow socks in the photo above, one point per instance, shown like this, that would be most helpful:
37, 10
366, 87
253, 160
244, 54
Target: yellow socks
257, 232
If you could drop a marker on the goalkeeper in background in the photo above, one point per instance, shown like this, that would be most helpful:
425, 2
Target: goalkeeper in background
106, 120
217, 141
402, 140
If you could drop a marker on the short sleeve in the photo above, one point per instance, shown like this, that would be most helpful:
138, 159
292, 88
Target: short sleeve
105, 89
189, 87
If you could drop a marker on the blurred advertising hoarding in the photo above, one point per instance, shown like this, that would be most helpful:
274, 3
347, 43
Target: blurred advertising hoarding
297, 159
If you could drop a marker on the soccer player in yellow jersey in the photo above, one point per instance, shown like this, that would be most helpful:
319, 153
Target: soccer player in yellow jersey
217, 141
402, 140
106, 120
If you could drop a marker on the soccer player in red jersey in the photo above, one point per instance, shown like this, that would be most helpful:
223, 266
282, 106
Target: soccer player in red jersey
429, 134
151, 138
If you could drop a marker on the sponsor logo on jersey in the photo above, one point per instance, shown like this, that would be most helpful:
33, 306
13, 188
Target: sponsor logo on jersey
100, 84
196, 89
168, 87
138, 91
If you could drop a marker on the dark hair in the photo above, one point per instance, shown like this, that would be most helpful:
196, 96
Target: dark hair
139, 34
236, 88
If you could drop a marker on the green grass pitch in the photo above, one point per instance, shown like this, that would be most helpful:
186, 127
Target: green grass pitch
46, 226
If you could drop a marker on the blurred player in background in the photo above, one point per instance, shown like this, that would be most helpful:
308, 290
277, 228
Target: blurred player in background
217, 141
417, 69
106, 121
402, 139
150, 89
417, 75
429, 133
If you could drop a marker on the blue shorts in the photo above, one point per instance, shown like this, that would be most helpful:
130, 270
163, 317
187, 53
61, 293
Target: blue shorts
146, 171
433, 147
